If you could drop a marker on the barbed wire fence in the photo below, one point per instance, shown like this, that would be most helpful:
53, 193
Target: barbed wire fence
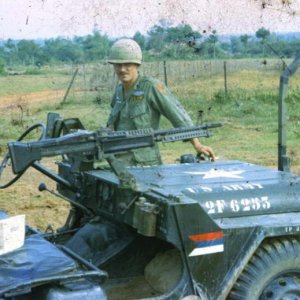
101, 76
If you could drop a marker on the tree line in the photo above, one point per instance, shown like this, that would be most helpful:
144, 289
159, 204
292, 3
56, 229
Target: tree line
162, 41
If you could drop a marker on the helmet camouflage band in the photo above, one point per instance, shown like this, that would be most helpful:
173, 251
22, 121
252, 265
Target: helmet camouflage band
125, 51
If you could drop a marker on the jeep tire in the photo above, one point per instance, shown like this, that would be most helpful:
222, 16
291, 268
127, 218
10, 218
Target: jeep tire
273, 273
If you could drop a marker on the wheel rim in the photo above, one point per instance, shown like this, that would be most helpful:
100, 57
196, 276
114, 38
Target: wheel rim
283, 287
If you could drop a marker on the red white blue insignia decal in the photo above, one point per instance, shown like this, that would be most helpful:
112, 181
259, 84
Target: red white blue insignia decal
207, 243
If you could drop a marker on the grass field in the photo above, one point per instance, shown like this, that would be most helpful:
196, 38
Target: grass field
248, 110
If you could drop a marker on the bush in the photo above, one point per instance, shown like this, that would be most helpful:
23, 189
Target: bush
2, 67
33, 71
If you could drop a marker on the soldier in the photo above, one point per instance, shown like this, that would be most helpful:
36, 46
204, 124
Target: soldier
138, 102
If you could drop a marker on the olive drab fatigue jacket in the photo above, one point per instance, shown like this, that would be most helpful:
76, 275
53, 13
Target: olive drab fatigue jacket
142, 108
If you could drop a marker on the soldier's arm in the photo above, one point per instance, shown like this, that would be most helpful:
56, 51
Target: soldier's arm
169, 106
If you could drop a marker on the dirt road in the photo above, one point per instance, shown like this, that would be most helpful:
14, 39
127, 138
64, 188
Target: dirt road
30, 98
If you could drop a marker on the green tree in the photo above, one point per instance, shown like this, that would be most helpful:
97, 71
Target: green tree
140, 39
172, 41
181, 33
95, 46
262, 34
157, 38
291, 48
2, 66
158, 34
245, 40
212, 40
28, 51
11, 51
60, 49
235, 46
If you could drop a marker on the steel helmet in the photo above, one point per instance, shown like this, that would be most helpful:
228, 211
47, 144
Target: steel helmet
125, 51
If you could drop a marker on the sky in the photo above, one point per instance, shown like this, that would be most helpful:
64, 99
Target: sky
31, 19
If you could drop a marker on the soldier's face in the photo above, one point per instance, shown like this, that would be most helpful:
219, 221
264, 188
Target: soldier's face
127, 73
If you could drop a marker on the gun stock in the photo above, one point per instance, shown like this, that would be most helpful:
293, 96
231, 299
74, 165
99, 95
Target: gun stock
23, 154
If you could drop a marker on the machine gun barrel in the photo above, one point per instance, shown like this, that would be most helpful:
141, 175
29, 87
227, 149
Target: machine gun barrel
99, 143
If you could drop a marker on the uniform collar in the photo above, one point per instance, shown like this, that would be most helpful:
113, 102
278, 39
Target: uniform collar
133, 88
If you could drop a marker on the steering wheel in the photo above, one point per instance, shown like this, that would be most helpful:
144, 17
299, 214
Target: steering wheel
7, 161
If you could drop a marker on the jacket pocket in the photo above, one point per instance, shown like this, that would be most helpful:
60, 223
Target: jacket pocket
140, 115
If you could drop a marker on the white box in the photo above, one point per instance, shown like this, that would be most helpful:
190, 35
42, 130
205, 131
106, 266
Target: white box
12, 233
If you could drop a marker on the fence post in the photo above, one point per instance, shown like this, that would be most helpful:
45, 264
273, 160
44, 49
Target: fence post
70, 85
84, 77
165, 73
225, 77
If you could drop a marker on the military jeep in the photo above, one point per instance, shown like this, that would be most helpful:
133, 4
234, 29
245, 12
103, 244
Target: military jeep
214, 230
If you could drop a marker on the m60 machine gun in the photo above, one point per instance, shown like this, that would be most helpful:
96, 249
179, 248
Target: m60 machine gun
84, 146
216, 230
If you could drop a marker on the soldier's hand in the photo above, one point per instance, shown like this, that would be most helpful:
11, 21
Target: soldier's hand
202, 149
207, 151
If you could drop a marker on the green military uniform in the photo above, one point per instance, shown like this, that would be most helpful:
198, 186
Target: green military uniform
142, 107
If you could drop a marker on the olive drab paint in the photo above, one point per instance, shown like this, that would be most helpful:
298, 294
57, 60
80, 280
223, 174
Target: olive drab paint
125, 51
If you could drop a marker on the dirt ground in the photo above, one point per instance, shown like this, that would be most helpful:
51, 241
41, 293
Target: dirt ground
41, 208
23, 197
30, 98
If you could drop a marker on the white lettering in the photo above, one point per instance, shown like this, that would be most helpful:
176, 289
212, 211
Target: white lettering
220, 204
236, 205
257, 185
242, 187
246, 204
191, 190
206, 189
227, 188
289, 229
237, 187
211, 207
265, 202
255, 203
